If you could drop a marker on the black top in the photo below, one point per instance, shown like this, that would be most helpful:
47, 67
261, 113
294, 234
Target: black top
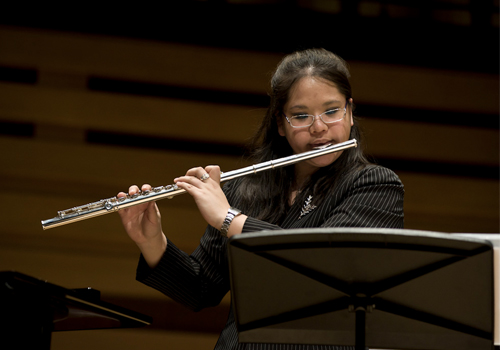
371, 197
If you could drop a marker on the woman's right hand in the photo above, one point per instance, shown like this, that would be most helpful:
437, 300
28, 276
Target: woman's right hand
143, 225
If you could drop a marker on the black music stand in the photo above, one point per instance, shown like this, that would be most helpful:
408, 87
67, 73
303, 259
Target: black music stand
380, 288
31, 309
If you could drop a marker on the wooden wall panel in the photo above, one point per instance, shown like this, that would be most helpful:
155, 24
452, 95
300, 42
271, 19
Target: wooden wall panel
56, 168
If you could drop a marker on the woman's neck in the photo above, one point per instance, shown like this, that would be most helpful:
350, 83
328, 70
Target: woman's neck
302, 176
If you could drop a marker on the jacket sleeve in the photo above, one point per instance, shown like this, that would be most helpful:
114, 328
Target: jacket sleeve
196, 280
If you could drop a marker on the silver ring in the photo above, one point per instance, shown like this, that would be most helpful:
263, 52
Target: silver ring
204, 177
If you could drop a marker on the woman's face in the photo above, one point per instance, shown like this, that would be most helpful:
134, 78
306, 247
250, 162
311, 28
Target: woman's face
313, 95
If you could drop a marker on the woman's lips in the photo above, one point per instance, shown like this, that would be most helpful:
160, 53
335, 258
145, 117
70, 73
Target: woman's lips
321, 145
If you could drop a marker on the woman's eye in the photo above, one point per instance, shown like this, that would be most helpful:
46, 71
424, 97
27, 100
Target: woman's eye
301, 116
332, 111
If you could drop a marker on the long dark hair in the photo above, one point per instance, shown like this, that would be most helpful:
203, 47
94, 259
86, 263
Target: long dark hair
266, 195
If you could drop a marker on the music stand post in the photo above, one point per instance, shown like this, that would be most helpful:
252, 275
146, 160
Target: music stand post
381, 288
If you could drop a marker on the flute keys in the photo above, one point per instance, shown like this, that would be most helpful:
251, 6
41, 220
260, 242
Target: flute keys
135, 195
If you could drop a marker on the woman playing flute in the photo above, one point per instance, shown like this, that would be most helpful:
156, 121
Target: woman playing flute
311, 107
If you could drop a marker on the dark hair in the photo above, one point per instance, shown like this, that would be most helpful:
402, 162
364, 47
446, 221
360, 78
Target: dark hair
266, 195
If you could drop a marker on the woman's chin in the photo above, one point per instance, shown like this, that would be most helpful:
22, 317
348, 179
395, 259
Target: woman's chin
323, 161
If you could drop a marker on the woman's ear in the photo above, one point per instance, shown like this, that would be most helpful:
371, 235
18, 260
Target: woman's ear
281, 127
350, 111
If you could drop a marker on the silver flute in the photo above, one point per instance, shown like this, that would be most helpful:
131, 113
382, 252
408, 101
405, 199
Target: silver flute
105, 206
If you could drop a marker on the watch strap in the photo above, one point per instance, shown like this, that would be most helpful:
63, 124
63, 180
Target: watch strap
231, 214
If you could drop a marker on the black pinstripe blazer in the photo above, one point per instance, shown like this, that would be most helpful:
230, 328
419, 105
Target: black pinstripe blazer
371, 197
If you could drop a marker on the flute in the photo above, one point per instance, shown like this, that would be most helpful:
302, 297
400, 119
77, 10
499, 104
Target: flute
113, 204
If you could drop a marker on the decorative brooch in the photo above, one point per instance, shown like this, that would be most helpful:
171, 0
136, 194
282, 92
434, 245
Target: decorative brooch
307, 208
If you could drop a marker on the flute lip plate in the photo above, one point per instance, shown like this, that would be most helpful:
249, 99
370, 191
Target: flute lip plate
323, 146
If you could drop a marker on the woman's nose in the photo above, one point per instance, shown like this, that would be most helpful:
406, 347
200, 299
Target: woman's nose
318, 125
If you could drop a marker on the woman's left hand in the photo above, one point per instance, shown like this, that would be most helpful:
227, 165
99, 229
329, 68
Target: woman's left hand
207, 193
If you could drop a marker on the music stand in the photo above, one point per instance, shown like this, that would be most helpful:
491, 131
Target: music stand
380, 288
31, 309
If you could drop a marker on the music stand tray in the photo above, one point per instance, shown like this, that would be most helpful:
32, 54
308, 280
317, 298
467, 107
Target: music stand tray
380, 288
31, 309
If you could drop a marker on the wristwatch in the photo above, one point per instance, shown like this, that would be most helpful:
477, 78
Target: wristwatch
231, 214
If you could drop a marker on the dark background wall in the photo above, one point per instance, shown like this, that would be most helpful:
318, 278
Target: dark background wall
94, 99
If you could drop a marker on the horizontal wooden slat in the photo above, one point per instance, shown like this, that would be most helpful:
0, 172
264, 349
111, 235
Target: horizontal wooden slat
177, 119
451, 204
431, 142
100, 166
236, 70
423, 88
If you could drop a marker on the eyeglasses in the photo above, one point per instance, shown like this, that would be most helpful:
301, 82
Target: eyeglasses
330, 116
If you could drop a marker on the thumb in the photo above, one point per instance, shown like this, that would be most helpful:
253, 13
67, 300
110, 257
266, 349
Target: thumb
152, 212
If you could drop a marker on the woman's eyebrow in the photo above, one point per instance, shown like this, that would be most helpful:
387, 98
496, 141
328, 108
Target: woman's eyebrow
325, 104
328, 103
298, 107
